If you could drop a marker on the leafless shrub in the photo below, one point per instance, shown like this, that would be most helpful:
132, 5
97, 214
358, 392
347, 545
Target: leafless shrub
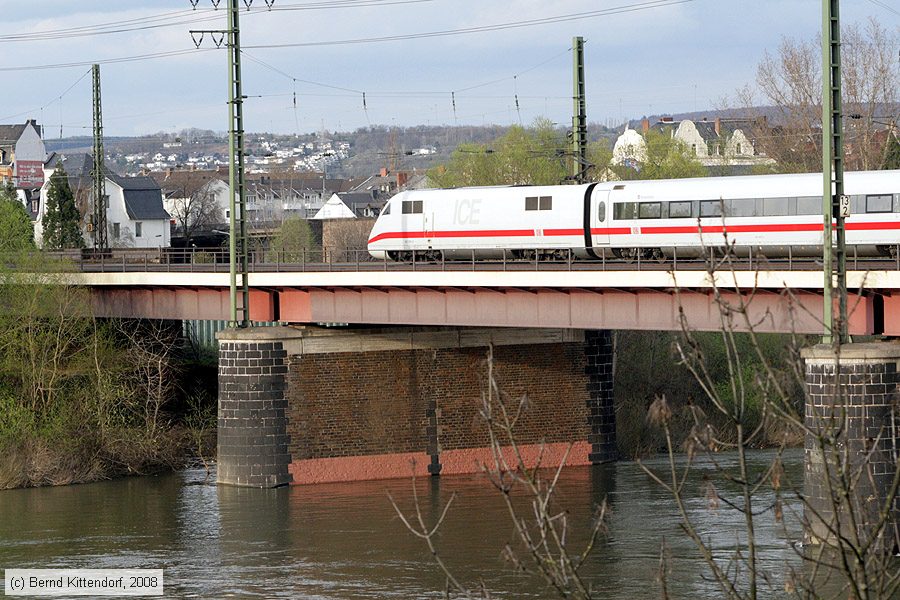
856, 561
541, 537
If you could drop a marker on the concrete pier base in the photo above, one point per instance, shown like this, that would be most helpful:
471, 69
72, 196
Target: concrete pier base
252, 444
852, 443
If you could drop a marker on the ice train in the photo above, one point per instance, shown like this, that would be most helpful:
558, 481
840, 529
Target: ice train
771, 214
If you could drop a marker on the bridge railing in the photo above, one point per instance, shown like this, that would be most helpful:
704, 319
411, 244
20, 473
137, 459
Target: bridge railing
318, 260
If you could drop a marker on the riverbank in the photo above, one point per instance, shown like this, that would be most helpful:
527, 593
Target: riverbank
84, 399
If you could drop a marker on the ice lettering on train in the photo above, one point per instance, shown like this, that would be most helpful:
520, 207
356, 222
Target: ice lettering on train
468, 212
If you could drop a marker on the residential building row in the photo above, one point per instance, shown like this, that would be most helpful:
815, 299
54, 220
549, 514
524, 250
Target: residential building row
723, 144
147, 210
144, 211
269, 154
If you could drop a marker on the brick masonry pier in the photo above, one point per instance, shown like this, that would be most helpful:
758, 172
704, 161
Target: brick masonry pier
852, 401
356, 404
252, 441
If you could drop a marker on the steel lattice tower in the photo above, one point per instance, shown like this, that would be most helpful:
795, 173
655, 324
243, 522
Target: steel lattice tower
98, 197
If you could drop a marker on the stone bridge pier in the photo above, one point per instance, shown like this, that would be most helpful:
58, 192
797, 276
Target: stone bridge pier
307, 405
852, 442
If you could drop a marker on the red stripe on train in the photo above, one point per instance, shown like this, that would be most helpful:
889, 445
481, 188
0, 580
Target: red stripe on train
650, 230
393, 235
872, 226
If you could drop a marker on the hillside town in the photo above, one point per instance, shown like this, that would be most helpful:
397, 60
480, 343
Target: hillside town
177, 200
178, 197
307, 156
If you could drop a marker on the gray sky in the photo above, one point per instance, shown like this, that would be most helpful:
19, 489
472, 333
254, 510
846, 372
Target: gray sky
659, 56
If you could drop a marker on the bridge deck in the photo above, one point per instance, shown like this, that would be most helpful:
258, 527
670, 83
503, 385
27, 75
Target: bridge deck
652, 298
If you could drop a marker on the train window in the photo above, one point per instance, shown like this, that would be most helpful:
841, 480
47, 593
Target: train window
711, 208
546, 203
880, 203
680, 210
386, 210
531, 203
649, 210
412, 207
858, 205
745, 207
776, 207
809, 205
601, 212
625, 210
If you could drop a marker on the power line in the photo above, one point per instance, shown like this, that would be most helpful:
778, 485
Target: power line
403, 94
297, 79
407, 93
135, 24
515, 76
186, 16
885, 6
49, 102
335, 3
183, 17
108, 61
486, 28
342, 4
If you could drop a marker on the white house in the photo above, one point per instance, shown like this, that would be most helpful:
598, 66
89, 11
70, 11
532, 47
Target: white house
718, 143
334, 208
350, 205
200, 197
630, 149
134, 214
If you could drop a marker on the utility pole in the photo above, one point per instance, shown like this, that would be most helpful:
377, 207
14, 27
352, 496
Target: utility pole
237, 238
579, 115
98, 220
836, 206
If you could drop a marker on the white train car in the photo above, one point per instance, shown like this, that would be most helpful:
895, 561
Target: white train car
774, 214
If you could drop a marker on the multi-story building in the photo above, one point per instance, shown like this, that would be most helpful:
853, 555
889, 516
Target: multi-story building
22, 155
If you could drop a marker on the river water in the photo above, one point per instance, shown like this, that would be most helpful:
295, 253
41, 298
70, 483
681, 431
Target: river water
344, 541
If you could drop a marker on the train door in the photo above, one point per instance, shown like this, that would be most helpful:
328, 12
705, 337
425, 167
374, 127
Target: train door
413, 222
600, 209
428, 225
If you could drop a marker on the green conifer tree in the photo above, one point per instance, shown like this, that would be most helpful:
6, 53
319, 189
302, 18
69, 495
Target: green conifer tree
16, 230
892, 153
62, 221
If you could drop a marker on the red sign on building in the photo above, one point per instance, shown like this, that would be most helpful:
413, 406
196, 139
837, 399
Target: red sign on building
29, 173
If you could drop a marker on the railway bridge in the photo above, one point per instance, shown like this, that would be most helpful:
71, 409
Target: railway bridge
398, 382
783, 295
